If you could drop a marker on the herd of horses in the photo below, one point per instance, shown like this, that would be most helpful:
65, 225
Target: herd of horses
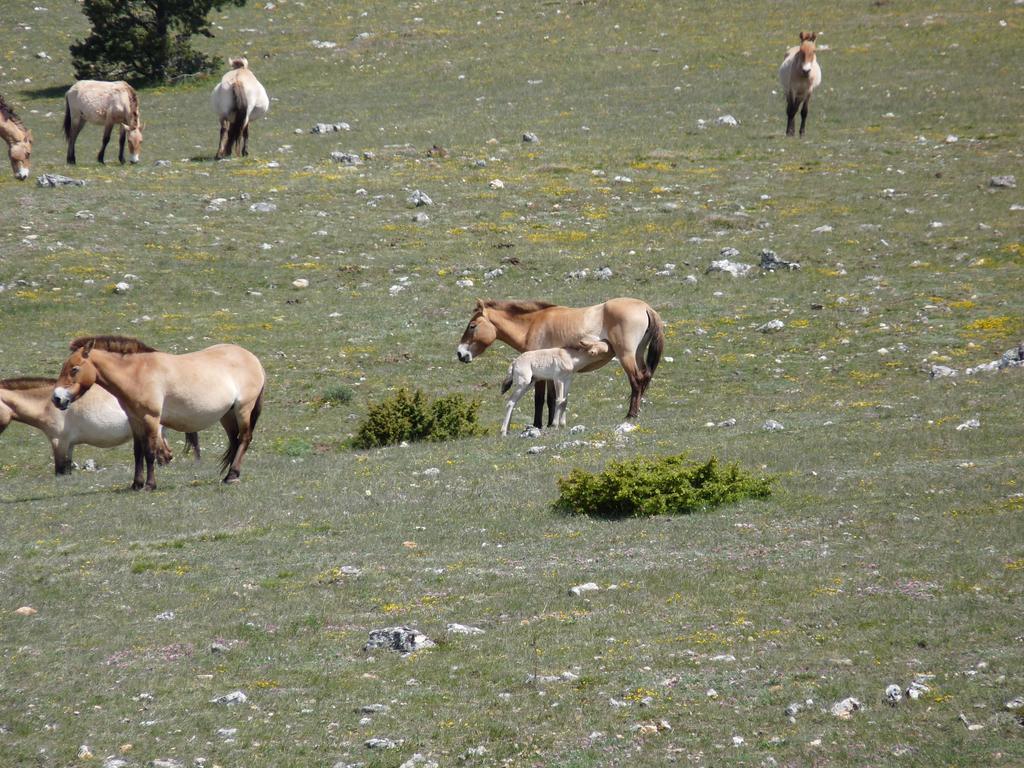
238, 99
115, 388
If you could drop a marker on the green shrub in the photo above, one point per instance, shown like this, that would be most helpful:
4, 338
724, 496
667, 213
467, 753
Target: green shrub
657, 486
339, 394
409, 416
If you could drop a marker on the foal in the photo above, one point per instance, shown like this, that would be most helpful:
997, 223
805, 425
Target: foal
800, 75
557, 365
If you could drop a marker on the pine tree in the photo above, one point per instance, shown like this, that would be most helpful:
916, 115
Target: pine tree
144, 40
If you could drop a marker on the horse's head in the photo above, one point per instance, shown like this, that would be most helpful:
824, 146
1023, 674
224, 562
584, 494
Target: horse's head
594, 346
20, 153
134, 139
478, 336
77, 375
807, 53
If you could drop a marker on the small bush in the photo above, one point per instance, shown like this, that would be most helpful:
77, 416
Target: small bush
657, 486
339, 394
409, 416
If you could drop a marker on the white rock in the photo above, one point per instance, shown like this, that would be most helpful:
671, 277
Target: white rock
771, 326
723, 657
1014, 704
952, 139
464, 283
85, 752
727, 120
381, 743
823, 229
941, 372
580, 589
431, 472
26, 610
300, 282
462, 629
625, 428
711, 693
893, 695
496, 184
733, 268
969, 424
164, 616
577, 430
844, 709
230, 699
122, 287
534, 450
738, 741
772, 426
419, 199
262, 207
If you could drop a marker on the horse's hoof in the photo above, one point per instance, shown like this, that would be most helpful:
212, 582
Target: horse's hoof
232, 480
136, 486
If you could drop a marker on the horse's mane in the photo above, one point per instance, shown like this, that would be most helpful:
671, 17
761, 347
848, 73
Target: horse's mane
10, 114
27, 382
518, 307
133, 99
124, 345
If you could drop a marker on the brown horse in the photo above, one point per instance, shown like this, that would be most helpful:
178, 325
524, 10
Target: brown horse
108, 104
630, 326
94, 419
186, 392
18, 139
799, 75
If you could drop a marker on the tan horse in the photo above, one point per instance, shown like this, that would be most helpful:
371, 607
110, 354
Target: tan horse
799, 75
238, 98
95, 419
108, 104
19, 141
630, 326
186, 392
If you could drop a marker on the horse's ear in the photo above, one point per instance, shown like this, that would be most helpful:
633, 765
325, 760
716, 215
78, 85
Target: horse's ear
805, 36
813, 36
480, 305
87, 347
28, 136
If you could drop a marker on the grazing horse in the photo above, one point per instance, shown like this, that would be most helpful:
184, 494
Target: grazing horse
95, 419
186, 392
630, 326
800, 75
238, 98
99, 102
18, 138
556, 365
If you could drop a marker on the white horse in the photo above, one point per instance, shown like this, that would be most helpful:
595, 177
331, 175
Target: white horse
95, 419
99, 102
557, 365
238, 98
799, 75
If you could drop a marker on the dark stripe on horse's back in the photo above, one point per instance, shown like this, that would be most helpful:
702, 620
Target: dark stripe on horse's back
518, 307
125, 345
27, 382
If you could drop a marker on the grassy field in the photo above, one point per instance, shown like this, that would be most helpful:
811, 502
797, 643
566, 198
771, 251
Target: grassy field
892, 546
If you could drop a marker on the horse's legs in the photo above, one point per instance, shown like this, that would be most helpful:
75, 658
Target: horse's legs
245, 140
636, 386
192, 442
561, 400
137, 445
803, 114
539, 389
791, 107
106, 140
222, 140
512, 400
61, 458
120, 144
76, 128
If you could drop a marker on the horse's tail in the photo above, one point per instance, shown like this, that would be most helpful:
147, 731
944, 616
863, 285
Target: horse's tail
233, 441
67, 119
655, 340
192, 443
241, 113
239, 63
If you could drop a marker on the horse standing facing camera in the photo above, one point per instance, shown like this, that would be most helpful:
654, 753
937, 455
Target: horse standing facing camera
799, 75
99, 102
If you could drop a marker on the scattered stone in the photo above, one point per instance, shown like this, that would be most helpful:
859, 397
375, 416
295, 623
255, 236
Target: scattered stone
1012, 358
419, 198
893, 695
727, 120
534, 450
530, 138
400, 639
164, 616
690, 279
770, 261
794, 709
431, 472
711, 693
324, 44
844, 709
465, 282
300, 283
53, 180
581, 589
942, 372
263, 207
462, 629
729, 252
579, 429
165, 762
969, 424
952, 139
916, 690
772, 326
218, 647
625, 428
26, 610
496, 184
734, 268
346, 158
113, 761
667, 271
418, 760
228, 734
823, 229
381, 743
1014, 704
730, 422
85, 215
738, 741
652, 728
330, 127
493, 273
772, 426
579, 274
375, 709
1003, 182
420, 217
603, 273
85, 752
723, 657
530, 432
230, 699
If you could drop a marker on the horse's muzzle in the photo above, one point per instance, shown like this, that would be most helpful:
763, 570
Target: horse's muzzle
61, 398
465, 356
21, 174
